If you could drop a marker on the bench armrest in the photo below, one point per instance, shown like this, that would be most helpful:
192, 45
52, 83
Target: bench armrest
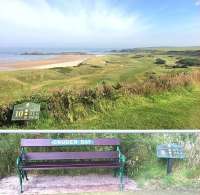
122, 158
20, 157
18, 161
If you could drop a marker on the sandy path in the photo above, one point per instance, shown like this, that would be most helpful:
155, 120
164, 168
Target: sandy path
54, 185
59, 61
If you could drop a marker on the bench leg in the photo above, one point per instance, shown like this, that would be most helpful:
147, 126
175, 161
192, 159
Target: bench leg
21, 189
20, 179
121, 175
116, 172
26, 176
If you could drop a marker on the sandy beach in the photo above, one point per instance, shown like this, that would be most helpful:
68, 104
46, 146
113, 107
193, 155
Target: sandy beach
68, 60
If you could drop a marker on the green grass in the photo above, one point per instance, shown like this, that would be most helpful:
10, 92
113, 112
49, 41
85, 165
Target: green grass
179, 109
175, 109
155, 172
110, 68
166, 110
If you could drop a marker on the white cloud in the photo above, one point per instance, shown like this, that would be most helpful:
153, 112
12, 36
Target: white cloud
87, 23
197, 3
38, 22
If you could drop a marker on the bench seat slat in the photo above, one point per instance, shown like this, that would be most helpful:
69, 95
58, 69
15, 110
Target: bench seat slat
71, 165
47, 142
70, 155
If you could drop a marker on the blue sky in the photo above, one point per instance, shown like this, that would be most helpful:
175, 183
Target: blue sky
99, 23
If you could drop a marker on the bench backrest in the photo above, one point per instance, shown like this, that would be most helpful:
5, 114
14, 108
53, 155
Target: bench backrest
69, 142
69, 155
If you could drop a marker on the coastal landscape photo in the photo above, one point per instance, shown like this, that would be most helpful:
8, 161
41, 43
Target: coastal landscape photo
106, 65
99, 97
101, 64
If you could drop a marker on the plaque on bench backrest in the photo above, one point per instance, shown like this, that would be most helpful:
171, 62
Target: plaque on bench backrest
57, 142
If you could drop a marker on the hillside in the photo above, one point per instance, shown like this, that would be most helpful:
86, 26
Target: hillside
139, 89
120, 67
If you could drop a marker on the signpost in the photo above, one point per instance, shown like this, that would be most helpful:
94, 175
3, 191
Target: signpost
170, 152
26, 112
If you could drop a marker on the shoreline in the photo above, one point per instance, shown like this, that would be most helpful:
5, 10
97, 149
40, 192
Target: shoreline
69, 60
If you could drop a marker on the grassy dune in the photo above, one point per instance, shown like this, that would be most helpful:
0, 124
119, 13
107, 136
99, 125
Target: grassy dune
158, 99
110, 68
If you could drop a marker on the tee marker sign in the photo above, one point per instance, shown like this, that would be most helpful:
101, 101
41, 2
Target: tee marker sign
26, 111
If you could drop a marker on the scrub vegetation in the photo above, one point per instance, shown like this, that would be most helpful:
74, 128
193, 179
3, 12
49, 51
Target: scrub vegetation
156, 103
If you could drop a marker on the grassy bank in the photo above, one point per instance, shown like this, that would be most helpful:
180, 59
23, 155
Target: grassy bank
171, 110
170, 102
139, 89
120, 67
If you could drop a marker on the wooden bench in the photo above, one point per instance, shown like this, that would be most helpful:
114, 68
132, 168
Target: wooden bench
112, 159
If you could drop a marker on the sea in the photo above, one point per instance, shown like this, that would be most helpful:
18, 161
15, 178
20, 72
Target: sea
8, 55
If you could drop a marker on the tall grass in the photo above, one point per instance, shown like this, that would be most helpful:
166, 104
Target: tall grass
162, 83
70, 106
194, 155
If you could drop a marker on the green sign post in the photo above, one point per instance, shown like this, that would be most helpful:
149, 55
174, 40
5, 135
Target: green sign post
26, 111
170, 152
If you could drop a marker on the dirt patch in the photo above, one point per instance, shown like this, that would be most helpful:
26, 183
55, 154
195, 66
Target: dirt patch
52, 185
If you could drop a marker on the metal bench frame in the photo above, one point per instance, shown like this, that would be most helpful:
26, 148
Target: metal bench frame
26, 157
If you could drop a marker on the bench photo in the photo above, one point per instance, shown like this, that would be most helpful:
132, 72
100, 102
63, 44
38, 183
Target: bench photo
112, 159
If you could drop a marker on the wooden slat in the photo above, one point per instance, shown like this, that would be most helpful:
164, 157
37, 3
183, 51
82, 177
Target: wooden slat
48, 142
70, 164
71, 167
69, 155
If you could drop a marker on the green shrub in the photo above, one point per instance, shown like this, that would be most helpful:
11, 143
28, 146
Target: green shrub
88, 96
188, 62
5, 114
159, 61
106, 91
117, 86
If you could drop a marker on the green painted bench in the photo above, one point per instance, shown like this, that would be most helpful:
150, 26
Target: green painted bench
28, 161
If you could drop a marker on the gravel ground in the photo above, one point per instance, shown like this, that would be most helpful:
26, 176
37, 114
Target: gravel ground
54, 185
